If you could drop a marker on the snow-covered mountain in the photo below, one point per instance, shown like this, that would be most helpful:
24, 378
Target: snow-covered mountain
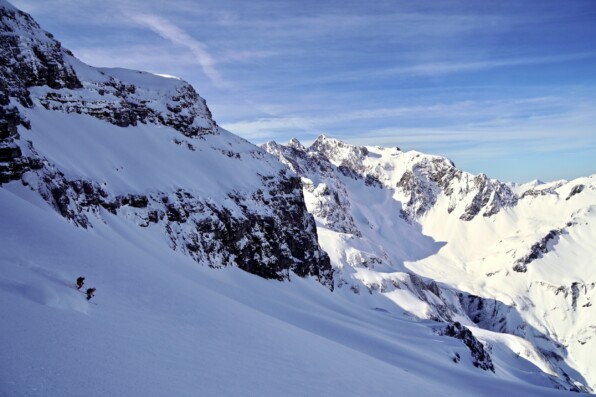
151, 152
400, 274
515, 263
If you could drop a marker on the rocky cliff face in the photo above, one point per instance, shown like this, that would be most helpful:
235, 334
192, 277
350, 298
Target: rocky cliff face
259, 224
481, 359
332, 206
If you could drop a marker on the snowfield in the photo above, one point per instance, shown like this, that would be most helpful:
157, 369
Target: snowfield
161, 325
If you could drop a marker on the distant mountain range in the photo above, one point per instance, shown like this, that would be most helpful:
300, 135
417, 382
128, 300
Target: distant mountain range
515, 260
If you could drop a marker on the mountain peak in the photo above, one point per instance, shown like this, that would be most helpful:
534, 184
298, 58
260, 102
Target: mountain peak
295, 144
338, 152
323, 139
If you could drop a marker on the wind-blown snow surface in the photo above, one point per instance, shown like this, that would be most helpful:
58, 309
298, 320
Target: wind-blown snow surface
164, 326
515, 263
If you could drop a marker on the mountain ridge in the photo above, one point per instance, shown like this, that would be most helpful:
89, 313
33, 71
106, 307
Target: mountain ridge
398, 239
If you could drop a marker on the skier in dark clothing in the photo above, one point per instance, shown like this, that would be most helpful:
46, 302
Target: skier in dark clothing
90, 293
80, 282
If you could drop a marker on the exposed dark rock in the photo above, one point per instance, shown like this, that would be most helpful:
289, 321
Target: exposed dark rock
12, 162
279, 239
422, 195
332, 205
480, 357
487, 313
575, 190
422, 183
347, 171
539, 192
30, 57
491, 196
136, 200
537, 250
371, 180
131, 107
267, 245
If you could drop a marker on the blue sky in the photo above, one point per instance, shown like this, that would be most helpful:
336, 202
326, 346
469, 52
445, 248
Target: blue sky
507, 88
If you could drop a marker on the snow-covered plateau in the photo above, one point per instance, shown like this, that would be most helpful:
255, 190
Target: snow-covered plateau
222, 268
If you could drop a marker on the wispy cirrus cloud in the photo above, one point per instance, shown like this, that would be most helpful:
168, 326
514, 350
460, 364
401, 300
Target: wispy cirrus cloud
463, 110
468, 130
441, 68
174, 34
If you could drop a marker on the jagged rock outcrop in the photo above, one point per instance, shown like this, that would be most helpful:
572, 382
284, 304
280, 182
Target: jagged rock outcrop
537, 250
36, 69
418, 178
30, 57
12, 162
262, 228
488, 195
576, 190
480, 357
107, 96
319, 178
341, 154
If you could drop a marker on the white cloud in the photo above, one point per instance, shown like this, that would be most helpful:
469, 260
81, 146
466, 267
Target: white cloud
174, 34
470, 129
440, 68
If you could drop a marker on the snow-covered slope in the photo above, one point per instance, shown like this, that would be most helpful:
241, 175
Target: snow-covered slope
161, 325
515, 263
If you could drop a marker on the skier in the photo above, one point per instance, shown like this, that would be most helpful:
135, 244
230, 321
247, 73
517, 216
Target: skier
80, 282
90, 292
